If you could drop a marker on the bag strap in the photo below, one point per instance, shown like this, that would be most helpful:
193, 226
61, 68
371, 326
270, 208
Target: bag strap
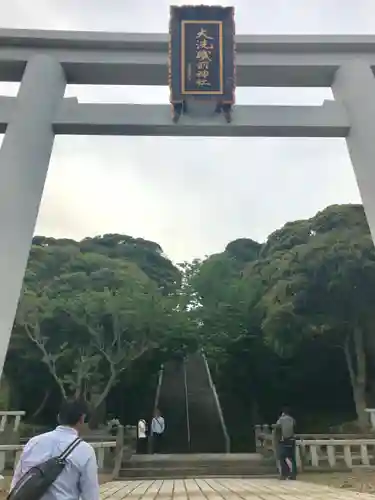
159, 423
69, 449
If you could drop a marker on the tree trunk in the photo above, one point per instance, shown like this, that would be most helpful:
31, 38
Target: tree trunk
97, 415
42, 404
98, 402
370, 359
359, 396
255, 413
5, 393
358, 376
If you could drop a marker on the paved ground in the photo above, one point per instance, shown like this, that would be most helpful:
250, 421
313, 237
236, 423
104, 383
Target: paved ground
225, 489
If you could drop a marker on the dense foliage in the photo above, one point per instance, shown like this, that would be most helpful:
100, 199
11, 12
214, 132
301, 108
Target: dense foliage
287, 321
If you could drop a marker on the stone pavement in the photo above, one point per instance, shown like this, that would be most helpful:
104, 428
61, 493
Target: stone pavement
224, 489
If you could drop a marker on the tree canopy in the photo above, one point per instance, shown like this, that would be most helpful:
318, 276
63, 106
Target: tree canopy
285, 321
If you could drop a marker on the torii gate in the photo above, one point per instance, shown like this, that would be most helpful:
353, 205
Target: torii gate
45, 61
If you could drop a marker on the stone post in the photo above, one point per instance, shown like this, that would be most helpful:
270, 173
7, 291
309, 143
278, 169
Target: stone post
258, 435
371, 413
24, 160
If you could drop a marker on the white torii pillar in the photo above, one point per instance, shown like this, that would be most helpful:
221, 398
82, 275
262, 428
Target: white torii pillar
354, 87
24, 160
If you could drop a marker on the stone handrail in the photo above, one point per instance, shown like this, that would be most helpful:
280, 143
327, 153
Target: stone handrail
5, 415
322, 451
186, 404
218, 405
335, 453
157, 397
266, 430
156, 405
10, 454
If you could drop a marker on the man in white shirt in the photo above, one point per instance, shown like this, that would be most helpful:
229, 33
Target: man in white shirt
157, 429
79, 478
142, 437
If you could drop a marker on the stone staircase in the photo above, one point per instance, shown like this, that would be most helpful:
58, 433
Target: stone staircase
190, 409
197, 465
188, 401
206, 430
172, 403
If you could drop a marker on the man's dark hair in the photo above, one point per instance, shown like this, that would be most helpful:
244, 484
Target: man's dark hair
286, 410
71, 412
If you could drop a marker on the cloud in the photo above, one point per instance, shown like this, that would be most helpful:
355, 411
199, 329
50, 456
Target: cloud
266, 16
191, 195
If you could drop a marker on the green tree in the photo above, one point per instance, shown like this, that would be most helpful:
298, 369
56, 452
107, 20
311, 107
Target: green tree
217, 303
106, 311
318, 280
147, 255
98, 313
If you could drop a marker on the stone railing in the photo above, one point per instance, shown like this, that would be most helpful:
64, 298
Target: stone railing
105, 453
110, 453
335, 453
217, 404
10, 453
16, 415
263, 435
265, 430
322, 451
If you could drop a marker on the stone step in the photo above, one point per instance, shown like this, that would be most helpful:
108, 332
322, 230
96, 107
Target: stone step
197, 471
198, 459
166, 464
198, 465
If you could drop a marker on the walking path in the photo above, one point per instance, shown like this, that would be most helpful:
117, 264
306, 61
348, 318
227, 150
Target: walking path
224, 489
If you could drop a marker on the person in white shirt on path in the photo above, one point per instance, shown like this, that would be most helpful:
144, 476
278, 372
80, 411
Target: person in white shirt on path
142, 437
157, 429
79, 479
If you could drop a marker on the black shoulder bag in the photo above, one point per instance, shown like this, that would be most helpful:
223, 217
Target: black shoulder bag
35, 483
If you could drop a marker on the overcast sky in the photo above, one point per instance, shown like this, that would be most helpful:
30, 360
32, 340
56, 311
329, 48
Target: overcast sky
156, 188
